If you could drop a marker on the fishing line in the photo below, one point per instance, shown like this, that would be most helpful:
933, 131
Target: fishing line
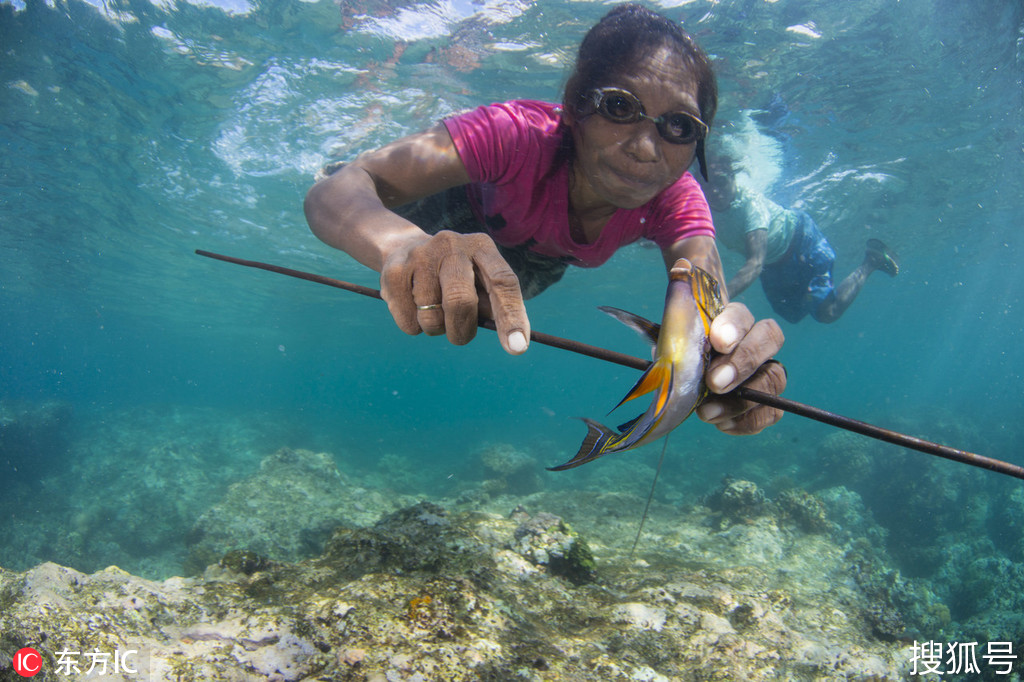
742, 392
650, 496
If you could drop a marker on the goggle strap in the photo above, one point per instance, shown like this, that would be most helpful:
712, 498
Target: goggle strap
701, 161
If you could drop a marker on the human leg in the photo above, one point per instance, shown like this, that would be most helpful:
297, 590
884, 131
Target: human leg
876, 257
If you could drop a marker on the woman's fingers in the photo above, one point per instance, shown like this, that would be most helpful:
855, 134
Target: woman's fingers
744, 345
742, 417
441, 285
746, 350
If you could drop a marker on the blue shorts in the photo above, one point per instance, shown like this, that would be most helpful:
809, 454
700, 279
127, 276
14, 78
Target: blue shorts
798, 283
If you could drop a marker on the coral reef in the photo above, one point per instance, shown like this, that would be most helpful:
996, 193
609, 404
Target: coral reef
546, 540
914, 497
287, 510
804, 509
311, 566
509, 470
129, 487
846, 458
428, 594
935, 546
737, 501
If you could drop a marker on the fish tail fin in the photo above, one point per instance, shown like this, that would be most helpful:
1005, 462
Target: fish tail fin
593, 445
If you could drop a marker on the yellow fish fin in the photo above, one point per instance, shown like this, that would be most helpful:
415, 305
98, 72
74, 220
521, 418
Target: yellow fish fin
657, 377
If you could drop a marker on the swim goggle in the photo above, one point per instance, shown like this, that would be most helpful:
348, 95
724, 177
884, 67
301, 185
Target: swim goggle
621, 106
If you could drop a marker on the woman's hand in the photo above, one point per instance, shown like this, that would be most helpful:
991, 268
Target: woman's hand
439, 284
442, 284
746, 347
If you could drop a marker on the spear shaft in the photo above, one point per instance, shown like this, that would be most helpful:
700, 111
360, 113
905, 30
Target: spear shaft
778, 402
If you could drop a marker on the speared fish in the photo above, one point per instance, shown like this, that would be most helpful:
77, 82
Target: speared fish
677, 374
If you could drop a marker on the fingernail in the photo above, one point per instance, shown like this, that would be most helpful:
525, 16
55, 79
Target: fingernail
722, 377
729, 335
517, 342
727, 425
709, 411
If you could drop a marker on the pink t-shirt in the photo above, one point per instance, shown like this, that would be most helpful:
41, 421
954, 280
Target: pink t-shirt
522, 195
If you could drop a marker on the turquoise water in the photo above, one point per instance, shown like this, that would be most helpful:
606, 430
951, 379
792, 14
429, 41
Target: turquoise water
133, 133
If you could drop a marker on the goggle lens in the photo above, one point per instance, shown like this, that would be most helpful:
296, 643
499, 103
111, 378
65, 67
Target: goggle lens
621, 106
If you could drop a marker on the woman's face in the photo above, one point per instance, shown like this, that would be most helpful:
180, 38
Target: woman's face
628, 164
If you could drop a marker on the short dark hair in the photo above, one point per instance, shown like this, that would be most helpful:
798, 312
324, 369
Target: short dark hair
625, 36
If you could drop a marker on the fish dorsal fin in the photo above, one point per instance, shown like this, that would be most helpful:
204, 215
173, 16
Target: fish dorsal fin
706, 293
641, 325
